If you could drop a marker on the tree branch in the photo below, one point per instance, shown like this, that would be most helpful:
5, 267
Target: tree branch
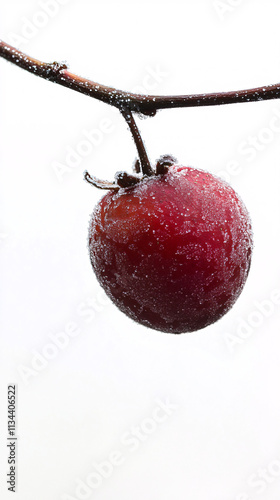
145, 104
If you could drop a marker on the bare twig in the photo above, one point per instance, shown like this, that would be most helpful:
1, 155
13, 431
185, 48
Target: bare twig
127, 103
145, 104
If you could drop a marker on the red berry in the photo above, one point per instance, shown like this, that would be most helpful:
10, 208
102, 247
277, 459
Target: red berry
172, 252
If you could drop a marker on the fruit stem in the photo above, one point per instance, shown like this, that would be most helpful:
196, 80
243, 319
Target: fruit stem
143, 157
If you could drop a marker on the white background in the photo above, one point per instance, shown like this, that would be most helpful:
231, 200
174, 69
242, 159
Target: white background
221, 440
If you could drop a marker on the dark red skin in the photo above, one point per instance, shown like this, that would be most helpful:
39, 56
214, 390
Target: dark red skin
173, 252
